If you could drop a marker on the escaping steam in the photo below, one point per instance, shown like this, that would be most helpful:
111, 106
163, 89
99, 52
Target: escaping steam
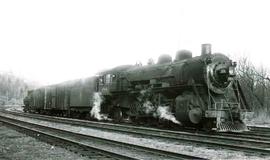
163, 113
95, 111
148, 107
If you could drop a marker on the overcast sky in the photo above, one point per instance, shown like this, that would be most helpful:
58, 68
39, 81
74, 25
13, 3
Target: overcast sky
54, 41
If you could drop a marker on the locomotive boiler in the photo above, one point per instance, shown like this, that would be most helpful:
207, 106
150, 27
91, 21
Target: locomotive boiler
200, 91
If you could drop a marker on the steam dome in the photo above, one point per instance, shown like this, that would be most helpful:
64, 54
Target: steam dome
183, 54
164, 58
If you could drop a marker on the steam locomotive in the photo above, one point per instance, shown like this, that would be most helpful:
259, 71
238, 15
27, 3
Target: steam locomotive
200, 92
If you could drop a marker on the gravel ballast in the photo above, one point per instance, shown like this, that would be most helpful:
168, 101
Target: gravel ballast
178, 147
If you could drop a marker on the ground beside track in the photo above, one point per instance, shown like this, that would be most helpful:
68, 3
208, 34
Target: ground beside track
175, 146
178, 147
18, 146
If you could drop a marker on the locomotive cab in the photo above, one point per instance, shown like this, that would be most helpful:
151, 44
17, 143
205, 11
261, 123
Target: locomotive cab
106, 83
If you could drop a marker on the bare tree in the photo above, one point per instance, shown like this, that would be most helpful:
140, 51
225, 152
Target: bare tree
12, 88
256, 82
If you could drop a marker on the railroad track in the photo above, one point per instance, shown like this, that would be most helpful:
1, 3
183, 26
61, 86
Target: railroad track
260, 129
93, 147
251, 143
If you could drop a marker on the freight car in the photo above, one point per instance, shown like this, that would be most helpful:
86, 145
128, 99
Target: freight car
200, 91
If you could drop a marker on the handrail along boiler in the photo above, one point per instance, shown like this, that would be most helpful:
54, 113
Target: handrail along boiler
200, 91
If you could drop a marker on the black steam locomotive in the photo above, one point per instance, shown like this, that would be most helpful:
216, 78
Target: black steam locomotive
200, 91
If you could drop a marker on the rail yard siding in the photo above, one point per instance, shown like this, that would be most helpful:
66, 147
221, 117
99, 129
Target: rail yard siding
156, 143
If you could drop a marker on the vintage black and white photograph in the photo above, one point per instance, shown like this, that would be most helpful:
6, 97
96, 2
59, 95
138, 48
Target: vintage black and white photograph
134, 79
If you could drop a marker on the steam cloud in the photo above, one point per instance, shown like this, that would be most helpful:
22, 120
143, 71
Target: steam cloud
148, 107
95, 111
164, 113
161, 112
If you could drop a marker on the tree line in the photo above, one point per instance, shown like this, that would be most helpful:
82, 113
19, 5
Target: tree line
12, 89
255, 82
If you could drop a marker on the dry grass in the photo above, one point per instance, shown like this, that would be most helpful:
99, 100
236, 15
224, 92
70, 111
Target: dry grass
262, 117
17, 146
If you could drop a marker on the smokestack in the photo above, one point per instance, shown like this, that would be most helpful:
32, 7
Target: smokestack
206, 49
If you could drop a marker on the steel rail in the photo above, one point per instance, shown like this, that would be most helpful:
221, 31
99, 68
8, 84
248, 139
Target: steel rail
135, 149
260, 129
224, 141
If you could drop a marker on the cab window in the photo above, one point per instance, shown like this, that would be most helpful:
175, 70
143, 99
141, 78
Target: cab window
107, 79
